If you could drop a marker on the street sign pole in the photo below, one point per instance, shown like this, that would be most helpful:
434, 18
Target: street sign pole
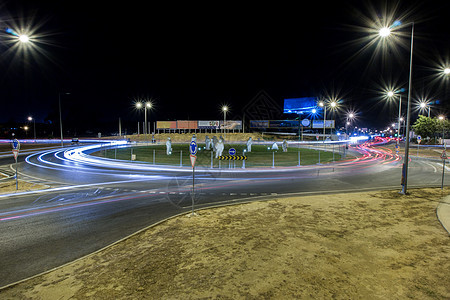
15, 150
444, 157
17, 179
193, 148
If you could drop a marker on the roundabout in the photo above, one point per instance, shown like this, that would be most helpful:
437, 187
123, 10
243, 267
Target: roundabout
94, 201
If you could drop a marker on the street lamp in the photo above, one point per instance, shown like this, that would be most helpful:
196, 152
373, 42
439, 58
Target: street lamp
148, 105
60, 116
442, 118
333, 105
224, 110
391, 94
384, 33
446, 71
139, 106
423, 106
34, 126
23, 38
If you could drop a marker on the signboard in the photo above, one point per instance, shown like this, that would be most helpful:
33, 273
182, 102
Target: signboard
283, 124
231, 125
187, 124
16, 144
319, 124
259, 124
193, 160
208, 124
232, 151
306, 122
193, 148
300, 105
15, 153
166, 124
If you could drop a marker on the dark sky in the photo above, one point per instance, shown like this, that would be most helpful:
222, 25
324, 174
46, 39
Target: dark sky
192, 58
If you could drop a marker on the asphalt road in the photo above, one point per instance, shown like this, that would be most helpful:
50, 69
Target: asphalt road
95, 204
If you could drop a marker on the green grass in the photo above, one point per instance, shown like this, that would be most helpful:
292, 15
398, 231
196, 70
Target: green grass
259, 157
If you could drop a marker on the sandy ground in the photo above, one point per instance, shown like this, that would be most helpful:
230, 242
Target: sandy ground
23, 186
372, 245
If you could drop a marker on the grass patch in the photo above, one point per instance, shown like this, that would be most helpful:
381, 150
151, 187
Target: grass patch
259, 157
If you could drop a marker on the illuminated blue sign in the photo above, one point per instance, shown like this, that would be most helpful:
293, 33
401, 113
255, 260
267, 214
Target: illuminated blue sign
300, 106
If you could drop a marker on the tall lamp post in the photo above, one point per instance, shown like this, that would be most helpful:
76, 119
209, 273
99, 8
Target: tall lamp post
391, 94
34, 126
442, 118
333, 105
385, 32
60, 117
322, 104
139, 106
147, 128
224, 110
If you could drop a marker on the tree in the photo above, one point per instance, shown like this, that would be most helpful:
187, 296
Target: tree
426, 127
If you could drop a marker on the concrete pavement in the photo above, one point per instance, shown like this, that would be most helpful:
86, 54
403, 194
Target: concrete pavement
443, 213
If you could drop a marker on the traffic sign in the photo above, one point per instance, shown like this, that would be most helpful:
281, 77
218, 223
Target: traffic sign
16, 144
444, 155
193, 147
232, 151
193, 160
15, 153
306, 122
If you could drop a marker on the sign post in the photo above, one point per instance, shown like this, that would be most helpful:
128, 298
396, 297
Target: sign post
193, 148
15, 151
443, 157
419, 139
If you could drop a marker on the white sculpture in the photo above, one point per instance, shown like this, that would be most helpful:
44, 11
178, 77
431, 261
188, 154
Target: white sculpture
208, 143
275, 146
249, 144
284, 146
214, 143
168, 146
219, 148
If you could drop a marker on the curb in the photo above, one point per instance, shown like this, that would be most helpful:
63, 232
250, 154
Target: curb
443, 213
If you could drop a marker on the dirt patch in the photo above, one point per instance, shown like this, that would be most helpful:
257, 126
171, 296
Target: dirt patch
9, 186
374, 245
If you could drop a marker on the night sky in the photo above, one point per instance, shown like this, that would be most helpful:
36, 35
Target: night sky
190, 58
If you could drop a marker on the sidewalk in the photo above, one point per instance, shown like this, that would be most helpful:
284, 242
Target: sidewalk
443, 213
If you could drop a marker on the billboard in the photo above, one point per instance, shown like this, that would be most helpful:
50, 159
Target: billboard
259, 124
166, 124
319, 124
283, 124
187, 124
208, 124
301, 106
231, 125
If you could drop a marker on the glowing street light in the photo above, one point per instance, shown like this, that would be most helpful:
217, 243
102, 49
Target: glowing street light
424, 105
148, 105
34, 126
333, 104
224, 110
442, 118
23, 38
446, 71
384, 33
